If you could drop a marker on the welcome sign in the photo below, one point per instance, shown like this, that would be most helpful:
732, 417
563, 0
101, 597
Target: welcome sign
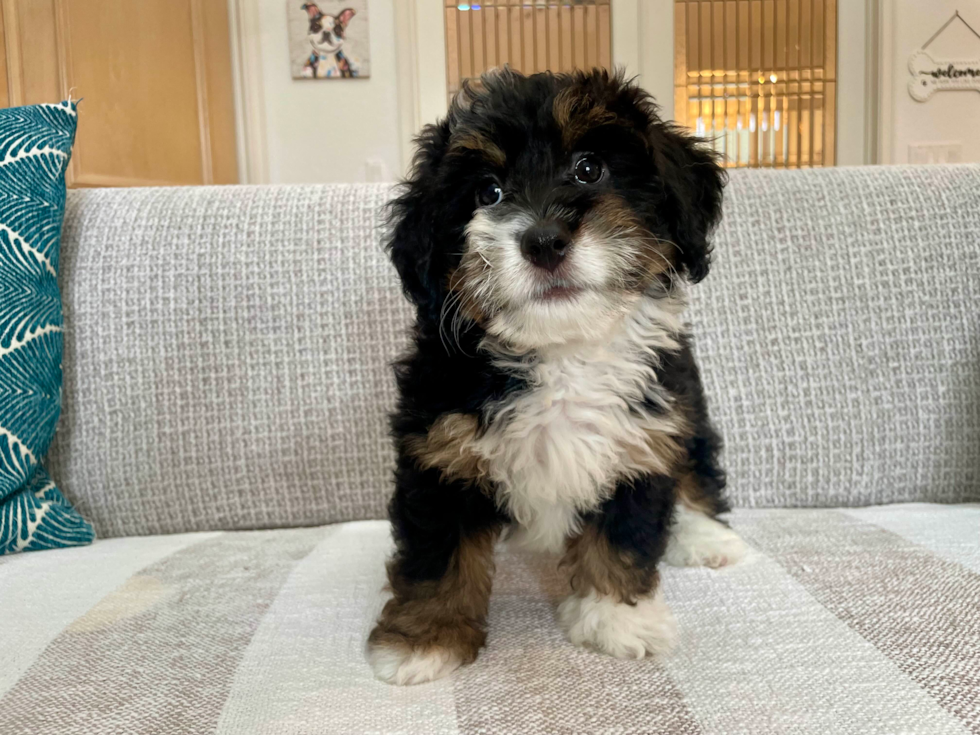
931, 75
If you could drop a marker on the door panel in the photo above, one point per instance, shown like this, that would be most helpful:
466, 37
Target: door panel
154, 78
136, 72
31, 52
4, 93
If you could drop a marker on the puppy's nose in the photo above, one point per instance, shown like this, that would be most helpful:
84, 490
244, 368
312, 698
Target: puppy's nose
546, 244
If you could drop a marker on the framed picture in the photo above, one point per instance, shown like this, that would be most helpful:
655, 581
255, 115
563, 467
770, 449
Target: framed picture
328, 39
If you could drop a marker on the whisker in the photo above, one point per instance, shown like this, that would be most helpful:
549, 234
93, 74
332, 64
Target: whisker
652, 244
452, 300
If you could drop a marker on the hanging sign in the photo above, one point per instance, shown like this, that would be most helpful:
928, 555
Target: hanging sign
930, 75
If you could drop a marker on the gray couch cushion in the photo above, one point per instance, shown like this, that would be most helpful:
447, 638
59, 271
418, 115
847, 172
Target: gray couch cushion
227, 357
840, 621
839, 335
227, 349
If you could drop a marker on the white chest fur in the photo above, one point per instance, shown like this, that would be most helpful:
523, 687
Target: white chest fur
558, 448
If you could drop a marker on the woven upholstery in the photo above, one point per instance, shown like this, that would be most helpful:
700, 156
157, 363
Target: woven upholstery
227, 356
227, 348
840, 335
860, 621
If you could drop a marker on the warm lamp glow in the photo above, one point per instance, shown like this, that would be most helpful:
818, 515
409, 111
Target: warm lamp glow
772, 97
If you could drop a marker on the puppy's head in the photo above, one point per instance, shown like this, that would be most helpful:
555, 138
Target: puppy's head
544, 207
327, 32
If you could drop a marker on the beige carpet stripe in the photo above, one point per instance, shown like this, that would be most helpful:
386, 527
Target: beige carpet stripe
530, 680
157, 656
758, 655
918, 609
305, 670
43, 593
949, 531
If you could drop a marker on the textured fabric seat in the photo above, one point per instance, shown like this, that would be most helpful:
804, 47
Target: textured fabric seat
840, 621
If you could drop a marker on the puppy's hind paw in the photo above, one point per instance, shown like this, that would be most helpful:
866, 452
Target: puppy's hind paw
699, 541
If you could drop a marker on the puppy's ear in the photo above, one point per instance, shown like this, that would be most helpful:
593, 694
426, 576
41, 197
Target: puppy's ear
412, 224
694, 182
345, 15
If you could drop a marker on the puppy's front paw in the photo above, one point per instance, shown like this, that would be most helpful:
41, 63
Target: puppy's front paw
401, 664
412, 645
616, 628
699, 541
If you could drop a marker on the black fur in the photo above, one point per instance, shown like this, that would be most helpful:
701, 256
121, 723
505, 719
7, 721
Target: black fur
679, 374
636, 519
672, 185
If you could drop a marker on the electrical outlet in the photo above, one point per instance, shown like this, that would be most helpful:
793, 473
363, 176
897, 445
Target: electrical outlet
375, 170
945, 152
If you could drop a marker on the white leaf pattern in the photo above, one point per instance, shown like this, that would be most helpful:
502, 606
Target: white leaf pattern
35, 146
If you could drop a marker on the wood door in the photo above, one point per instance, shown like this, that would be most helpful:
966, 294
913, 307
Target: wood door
154, 78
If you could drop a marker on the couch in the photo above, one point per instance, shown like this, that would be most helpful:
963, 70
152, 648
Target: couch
226, 391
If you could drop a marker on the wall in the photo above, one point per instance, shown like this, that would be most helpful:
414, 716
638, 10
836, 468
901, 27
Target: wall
321, 131
952, 116
325, 130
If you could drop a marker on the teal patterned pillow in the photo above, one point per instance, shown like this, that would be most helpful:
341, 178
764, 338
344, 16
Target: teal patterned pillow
35, 145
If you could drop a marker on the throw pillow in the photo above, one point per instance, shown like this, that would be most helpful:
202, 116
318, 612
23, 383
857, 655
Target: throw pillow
35, 146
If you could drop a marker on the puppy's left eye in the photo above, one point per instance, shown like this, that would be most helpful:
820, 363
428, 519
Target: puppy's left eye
588, 170
489, 194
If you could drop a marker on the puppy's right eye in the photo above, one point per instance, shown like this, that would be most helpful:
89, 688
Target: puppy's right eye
489, 194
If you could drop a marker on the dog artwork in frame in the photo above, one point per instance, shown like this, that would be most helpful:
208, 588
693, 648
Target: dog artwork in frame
328, 39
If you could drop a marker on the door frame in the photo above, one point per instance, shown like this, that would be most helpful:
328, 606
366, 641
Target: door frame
247, 80
420, 47
643, 44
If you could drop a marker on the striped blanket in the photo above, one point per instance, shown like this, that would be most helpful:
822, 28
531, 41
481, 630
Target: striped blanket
840, 621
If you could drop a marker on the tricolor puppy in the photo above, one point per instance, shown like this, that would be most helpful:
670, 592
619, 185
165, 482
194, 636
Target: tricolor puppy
546, 235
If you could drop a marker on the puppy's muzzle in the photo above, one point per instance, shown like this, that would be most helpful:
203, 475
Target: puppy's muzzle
546, 244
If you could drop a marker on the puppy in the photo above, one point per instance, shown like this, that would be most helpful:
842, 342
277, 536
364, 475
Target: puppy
546, 235
326, 35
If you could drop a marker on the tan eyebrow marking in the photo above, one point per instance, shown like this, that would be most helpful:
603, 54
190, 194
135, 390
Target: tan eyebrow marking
473, 141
